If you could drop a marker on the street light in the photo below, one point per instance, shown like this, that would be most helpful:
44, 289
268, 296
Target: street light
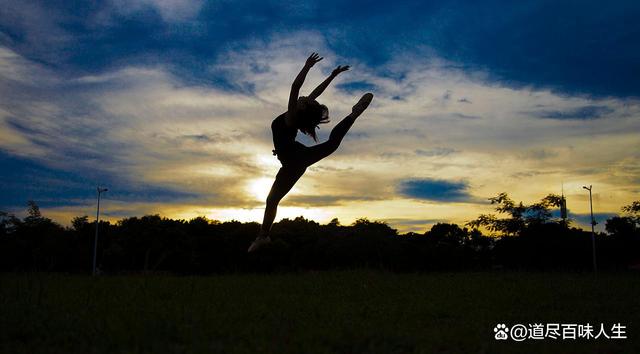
593, 232
95, 242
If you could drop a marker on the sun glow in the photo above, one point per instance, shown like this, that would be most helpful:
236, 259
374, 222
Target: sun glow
259, 188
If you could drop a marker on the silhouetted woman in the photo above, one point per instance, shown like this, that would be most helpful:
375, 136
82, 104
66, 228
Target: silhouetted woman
304, 114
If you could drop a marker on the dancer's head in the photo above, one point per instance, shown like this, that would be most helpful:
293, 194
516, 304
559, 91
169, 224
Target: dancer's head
310, 114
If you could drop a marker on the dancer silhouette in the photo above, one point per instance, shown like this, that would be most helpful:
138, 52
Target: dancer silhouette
304, 114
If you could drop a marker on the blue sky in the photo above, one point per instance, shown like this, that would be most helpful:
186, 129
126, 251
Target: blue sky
472, 98
575, 47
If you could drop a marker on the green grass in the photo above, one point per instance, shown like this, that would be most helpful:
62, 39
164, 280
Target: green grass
320, 312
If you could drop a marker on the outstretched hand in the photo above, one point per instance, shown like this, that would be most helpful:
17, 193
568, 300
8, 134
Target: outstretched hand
339, 69
313, 59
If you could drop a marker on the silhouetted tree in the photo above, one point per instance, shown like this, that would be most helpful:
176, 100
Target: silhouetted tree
33, 214
153, 243
448, 233
540, 213
8, 223
519, 216
633, 210
620, 225
78, 223
624, 242
628, 224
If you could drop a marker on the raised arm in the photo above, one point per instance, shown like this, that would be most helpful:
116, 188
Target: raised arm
297, 84
320, 89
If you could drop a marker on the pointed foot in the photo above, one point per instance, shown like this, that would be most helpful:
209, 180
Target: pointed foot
362, 104
259, 242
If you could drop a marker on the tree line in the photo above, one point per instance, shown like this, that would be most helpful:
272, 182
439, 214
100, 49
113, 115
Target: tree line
518, 236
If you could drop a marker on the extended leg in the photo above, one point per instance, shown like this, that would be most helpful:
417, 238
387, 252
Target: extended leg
285, 180
318, 152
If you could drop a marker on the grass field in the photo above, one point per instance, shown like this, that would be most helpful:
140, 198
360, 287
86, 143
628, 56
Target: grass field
360, 311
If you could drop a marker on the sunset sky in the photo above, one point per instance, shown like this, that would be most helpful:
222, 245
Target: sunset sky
169, 103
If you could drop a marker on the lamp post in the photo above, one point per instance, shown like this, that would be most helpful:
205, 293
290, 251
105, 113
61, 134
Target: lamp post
95, 242
593, 232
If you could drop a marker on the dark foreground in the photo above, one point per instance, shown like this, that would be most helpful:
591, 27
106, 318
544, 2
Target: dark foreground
340, 311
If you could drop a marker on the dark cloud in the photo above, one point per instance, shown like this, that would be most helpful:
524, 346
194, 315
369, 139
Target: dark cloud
24, 179
435, 190
581, 113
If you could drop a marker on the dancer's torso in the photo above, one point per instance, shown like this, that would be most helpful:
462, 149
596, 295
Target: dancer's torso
284, 137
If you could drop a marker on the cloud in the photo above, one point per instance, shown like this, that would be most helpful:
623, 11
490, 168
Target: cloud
579, 113
33, 28
149, 123
170, 10
134, 129
435, 190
